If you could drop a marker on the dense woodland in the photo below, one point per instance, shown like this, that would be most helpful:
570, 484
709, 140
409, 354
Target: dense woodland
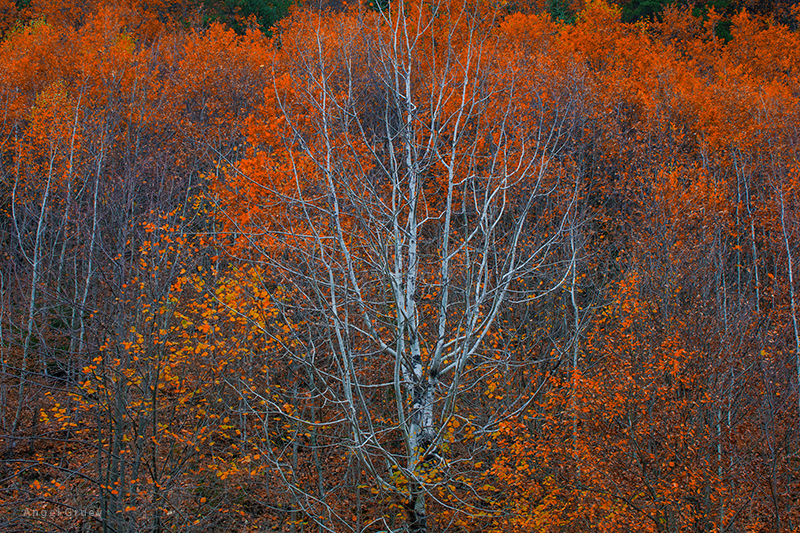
413, 266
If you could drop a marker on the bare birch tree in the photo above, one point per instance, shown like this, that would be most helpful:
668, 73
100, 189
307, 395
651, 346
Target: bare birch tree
407, 183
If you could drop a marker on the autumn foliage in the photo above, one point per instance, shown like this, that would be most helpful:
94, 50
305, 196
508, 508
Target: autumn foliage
421, 266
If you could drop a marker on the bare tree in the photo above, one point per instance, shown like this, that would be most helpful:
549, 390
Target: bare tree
411, 183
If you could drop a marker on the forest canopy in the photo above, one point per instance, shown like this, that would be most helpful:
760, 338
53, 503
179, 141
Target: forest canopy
399, 266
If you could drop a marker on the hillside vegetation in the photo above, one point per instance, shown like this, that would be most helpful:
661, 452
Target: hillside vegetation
404, 266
